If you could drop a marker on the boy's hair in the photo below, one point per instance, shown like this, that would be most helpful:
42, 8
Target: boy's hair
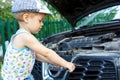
19, 16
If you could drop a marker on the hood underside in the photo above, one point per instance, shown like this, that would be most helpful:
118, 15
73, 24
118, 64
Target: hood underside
74, 10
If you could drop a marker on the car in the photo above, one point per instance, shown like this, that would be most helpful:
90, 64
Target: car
94, 49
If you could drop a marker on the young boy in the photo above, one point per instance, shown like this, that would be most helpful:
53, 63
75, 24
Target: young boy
24, 48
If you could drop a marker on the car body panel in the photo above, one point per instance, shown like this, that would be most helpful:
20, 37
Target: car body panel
95, 47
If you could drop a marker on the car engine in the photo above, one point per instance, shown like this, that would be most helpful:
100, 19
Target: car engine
97, 56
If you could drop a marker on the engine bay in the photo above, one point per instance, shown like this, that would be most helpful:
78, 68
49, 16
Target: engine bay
71, 45
71, 48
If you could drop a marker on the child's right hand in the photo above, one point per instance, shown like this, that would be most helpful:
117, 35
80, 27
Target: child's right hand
70, 66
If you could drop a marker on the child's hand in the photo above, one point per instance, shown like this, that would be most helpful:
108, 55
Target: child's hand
70, 67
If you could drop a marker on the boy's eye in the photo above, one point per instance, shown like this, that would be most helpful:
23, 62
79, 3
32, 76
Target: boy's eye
40, 20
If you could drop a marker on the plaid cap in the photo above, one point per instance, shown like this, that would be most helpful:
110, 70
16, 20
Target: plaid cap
30, 5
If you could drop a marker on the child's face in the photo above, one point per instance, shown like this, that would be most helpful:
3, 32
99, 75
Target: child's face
35, 23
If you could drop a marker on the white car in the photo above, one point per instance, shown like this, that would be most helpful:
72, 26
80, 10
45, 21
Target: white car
96, 46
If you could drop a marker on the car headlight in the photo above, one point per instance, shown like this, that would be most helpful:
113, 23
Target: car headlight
52, 72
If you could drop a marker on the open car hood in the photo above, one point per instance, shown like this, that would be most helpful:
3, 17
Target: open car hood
74, 10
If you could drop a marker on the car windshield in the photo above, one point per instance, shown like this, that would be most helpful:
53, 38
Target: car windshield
101, 16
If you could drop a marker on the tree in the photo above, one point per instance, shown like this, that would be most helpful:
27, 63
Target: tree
5, 11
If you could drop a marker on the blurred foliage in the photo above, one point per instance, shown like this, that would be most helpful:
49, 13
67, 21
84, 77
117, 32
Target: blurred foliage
5, 11
0, 69
104, 16
101, 16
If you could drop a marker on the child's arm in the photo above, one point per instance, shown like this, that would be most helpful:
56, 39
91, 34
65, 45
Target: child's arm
42, 58
31, 42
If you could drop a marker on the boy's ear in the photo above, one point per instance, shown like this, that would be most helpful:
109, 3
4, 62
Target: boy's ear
25, 17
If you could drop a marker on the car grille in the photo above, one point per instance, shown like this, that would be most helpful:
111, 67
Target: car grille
93, 69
